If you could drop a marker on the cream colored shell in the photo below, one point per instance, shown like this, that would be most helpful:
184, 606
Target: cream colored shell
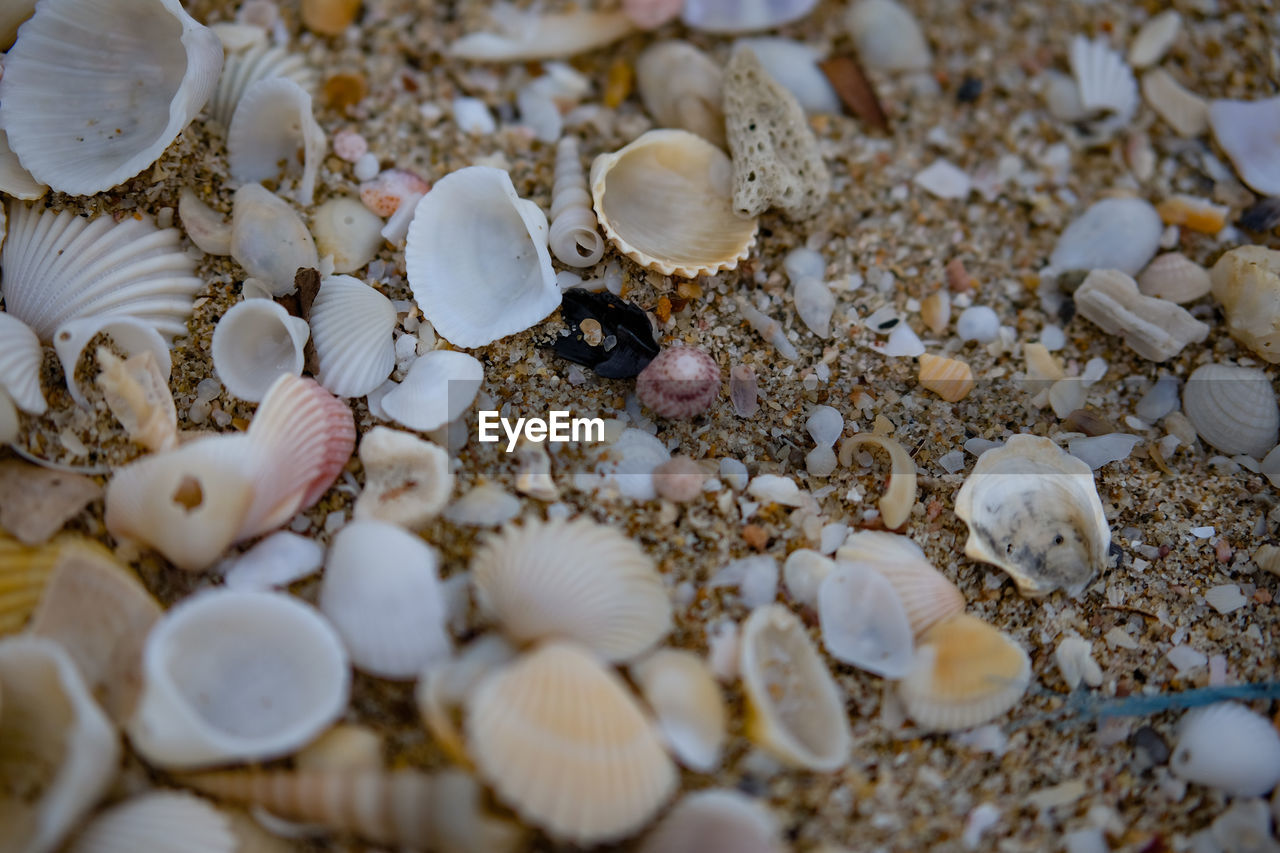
1246, 281
926, 594
682, 691
1232, 408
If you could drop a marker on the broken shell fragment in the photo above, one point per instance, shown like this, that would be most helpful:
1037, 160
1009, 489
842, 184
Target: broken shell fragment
170, 822
681, 382
20, 362
204, 226
898, 499
949, 378
1232, 408
255, 343
683, 693
521, 34
681, 87
1154, 38
926, 595
1174, 277
36, 502
1246, 280
740, 16
438, 388
131, 335
1114, 233
863, 620
1247, 131
351, 327
1196, 214
250, 57
1184, 111
1153, 328
407, 480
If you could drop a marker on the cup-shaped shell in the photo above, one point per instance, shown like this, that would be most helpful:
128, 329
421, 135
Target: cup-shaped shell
131, 335
965, 673
273, 124
796, 712
237, 676
477, 258
1230, 747
254, 343
863, 620
682, 87
684, 695
247, 63
93, 93
559, 737
926, 594
716, 820
351, 325
666, 202
20, 363
1033, 510
1232, 408
577, 580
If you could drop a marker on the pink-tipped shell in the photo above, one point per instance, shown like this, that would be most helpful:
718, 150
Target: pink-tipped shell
682, 382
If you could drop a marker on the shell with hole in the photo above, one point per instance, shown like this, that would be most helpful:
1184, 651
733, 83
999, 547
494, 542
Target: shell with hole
926, 594
1033, 510
351, 326
256, 342
576, 580
249, 57
235, 676
682, 87
666, 202
93, 93
1246, 280
796, 711
561, 740
273, 124
716, 820
477, 260
1232, 408
737, 16
171, 822
407, 480
683, 693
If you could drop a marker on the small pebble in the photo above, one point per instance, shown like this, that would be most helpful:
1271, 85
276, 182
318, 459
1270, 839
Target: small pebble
978, 323
366, 168
678, 480
473, 116
349, 145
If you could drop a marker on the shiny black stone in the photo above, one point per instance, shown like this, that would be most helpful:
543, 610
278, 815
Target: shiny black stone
627, 344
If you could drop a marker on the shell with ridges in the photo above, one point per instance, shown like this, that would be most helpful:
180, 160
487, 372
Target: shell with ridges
926, 594
273, 124
1175, 277
949, 378
129, 334
24, 573
351, 325
158, 822
1232, 408
683, 693
716, 820
444, 687
573, 237
20, 362
246, 64
1228, 746
15, 180
1105, 81
682, 87
137, 392
575, 579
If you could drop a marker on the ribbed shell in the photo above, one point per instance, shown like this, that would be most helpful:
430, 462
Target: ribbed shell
1105, 81
1232, 408
926, 594
158, 822
716, 820
351, 325
258, 61
15, 180
24, 572
576, 580
1175, 277
1230, 747
560, 739
20, 362
949, 378
573, 238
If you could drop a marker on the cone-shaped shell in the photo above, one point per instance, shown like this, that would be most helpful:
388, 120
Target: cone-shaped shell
683, 693
1232, 408
94, 92
560, 739
926, 594
1033, 510
351, 325
666, 202
577, 580
717, 820
20, 364
965, 673
246, 64
273, 124
159, 822
255, 342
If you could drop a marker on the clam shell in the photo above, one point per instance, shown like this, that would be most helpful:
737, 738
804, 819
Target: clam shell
94, 93
273, 124
407, 480
1033, 510
158, 822
445, 686
716, 820
965, 673
926, 594
521, 35
131, 335
573, 237
1114, 233
796, 711
381, 589
247, 63
21, 360
863, 621
682, 87
683, 693
477, 259
438, 388
269, 240
1181, 109
1228, 746
15, 180
561, 740
351, 325
576, 580
237, 676
1232, 408
1246, 280
742, 16
666, 202
347, 231
949, 378
1174, 277
1247, 131
887, 36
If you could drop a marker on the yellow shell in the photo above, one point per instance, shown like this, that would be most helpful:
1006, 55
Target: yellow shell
949, 378
24, 573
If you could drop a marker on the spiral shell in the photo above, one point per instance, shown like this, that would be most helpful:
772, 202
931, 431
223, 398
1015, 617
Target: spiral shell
574, 239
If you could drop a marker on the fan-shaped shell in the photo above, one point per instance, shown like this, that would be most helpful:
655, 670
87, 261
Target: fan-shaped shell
256, 342
15, 180
863, 621
129, 334
407, 480
158, 822
666, 202
437, 389
20, 362
562, 741
1033, 510
926, 594
965, 673
1105, 81
1232, 408
716, 820
682, 87
741, 16
247, 63
273, 124
683, 693
93, 93
1228, 746
575, 579
1175, 277
796, 711
1247, 131
60, 267
351, 325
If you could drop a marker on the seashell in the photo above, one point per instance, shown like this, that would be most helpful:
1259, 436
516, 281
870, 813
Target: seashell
329, 17
486, 505
679, 480
716, 820
275, 561
436, 391
269, 240
796, 712
256, 342
345, 230
683, 693
15, 180
887, 36
94, 94
1153, 328
381, 590
863, 620
965, 673
351, 326
1246, 280
392, 190
1155, 37
776, 161
898, 499
60, 267
1228, 746
1181, 109
633, 344
407, 480
1247, 131
1232, 408
681, 87
560, 739
794, 65
665, 201
246, 63
237, 676
522, 35
949, 378
1106, 84
1245, 826
803, 573
273, 124
1075, 662
680, 382
925, 593
134, 337
1115, 233
21, 361
137, 392
12, 16
1033, 510
736, 16
1174, 277
573, 237
457, 282
1196, 214
204, 226
346, 746
534, 476
445, 686
572, 579
61, 752
626, 466
651, 14
162, 822
36, 502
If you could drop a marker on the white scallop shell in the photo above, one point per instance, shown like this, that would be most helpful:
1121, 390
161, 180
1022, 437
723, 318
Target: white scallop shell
256, 342
1247, 131
863, 621
575, 579
351, 325
15, 180
437, 390
683, 693
237, 676
477, 258
382, 592
62, 750
573, 238
716, 820
797, 713
1186, 112
1106, 82
269, 239
1175, 277
1228, 746
559, 737
347, 231
93, 93
20, 363
1232, 408
246, 64
666, 202
741, 16
520, 34
887, 36
682, 87
131, 335
407, 480
926, 595
273, 124
159, 822
60, 267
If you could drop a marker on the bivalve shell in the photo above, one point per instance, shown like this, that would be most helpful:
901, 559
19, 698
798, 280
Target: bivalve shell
256, 342
269, 240
1247, 131
1114, 233
863, 621
15, 180
351, 326
1232, 408
1174, 277
444, 687
133, 336
1228, 746
438, 388
1105, 83
683, 693
716, 820
926, 595
347, 231
1246, 280
246, 62
682, 87
272, 125
21, 360
159, 822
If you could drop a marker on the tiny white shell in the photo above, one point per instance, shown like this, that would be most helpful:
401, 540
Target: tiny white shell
887, 36
1247, 131
249, 59
351, 326
1232, 408
573, 237
255, 342
741, 16
273, 124
269, 239
683, 693
407, 480
437, 390
716, 820
1228, 746
20, 362
347, 231
863, 621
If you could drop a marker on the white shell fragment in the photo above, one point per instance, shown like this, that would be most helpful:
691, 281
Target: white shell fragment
1228, 746
248, 61
944, 179
574, 239
1076, 663
131, 335
276, 561
1153, 328
351, 326
347, 231
93, 93
1174, 277
925, 594
521, 34
437, 390
887, 36
273, 124
795, 66
716, 820
256, 342
1115, 233
682, 691
863, 621
1184, 111
741, 16
1247, 131
407, 480
269, 239
681, 87
20, 362
1155, 37
204, 225
1232, 408
477, 258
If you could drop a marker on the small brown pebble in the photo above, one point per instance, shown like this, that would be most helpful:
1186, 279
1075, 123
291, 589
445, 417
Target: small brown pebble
958, 279
1087, 422
618, 82
329, 17
344, 91
35, 502
755, 536
678, 480
855, 90
663, 309
592, 331
1262, 597
1223, 549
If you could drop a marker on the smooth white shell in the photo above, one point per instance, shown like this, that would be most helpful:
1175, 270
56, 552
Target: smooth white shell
1155, 37
347, 231
255, 342
1247, 131
863, 621
351, 325
795, 66
683, 693
437, 390
1115, 233
741, 16
276, 561
20, 362
887, 36
1183, 110
273, 124
523, 35
682, 87
204, 226
716, 820
1232, 408
1230, 747
269, 239
246, 64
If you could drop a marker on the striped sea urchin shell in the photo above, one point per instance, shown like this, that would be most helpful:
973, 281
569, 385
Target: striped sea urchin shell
681, 382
